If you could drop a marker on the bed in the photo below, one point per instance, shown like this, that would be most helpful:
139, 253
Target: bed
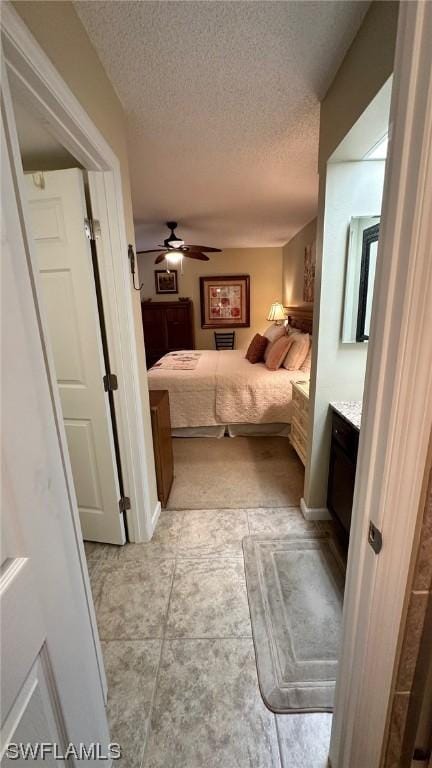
223, 392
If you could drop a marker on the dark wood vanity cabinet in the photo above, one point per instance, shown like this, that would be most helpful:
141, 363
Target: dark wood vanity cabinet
168, 326
342, 472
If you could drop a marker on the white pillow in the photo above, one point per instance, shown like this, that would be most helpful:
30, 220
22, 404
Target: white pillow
274, 332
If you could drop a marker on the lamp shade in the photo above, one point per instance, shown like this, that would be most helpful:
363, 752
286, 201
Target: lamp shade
276, 312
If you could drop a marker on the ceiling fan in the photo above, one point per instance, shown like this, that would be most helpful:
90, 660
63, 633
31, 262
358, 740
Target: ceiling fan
174, 248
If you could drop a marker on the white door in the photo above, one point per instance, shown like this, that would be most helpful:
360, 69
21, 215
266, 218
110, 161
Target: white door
51, 681
67, 289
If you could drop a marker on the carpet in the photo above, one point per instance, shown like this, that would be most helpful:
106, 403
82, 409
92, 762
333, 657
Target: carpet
235, 473
295, 590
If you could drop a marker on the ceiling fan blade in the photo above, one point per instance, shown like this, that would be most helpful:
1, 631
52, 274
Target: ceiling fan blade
203, 248
152, 250
196, 255
160, 258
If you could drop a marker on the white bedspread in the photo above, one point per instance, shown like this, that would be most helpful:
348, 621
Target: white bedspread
225, 388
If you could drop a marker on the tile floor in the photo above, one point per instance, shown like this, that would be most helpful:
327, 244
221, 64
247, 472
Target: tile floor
174, 622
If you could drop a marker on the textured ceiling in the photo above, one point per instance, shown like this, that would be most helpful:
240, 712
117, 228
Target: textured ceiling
222, 102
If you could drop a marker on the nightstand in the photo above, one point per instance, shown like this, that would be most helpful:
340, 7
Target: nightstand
299, 418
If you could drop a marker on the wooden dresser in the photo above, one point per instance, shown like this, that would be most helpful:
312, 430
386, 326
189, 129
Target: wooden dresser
299, 418
168, 326
162, 442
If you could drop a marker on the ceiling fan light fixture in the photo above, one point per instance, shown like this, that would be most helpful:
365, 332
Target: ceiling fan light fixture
172, 241
173, 258
175, 242
174, 249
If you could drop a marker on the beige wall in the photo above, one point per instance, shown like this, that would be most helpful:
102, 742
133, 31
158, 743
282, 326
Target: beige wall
59, 32
293, 264
264, 265
364, 70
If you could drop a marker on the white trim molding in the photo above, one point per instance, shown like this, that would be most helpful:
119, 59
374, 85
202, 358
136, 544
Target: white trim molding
46, 93
314, 513
397, 410
156, 512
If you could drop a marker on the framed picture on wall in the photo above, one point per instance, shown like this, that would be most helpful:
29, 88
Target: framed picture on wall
166, 282
225, 301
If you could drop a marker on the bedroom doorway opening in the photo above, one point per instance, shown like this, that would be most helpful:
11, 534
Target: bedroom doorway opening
231, 420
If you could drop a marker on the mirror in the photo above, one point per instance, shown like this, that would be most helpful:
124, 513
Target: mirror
360, 277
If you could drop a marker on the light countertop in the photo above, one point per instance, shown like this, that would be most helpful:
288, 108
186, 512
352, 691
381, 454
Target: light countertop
350, 410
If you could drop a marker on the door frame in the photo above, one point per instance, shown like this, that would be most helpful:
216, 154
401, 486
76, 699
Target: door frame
51, 99
397, 411
36, 479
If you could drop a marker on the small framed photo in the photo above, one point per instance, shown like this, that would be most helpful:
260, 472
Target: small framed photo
225, 301
166, 282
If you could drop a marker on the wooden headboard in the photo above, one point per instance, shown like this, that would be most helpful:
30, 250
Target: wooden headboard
301, 317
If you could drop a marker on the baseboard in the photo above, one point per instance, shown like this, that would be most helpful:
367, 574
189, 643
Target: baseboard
155, 517
146, 535
314, 513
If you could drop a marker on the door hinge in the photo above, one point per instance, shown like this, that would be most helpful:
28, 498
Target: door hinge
92, 228
124, 504
375, 538
110, 382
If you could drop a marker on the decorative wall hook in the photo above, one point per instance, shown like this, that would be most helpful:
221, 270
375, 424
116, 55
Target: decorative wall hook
131, 255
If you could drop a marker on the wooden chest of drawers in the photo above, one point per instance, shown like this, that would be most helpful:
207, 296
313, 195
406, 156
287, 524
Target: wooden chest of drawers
168, 326
162, 442
299, 418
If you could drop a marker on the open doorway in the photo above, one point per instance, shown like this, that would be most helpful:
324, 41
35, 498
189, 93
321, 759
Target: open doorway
59, 193
230, 411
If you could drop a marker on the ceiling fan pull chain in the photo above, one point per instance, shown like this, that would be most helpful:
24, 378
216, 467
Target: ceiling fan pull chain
131, 255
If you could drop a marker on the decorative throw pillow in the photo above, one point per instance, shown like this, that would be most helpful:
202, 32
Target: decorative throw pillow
278, 352
256, 349
298, 350
274, 332
306, 365
267, 349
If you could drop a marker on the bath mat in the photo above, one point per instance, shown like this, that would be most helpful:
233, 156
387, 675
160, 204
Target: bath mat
295, 589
